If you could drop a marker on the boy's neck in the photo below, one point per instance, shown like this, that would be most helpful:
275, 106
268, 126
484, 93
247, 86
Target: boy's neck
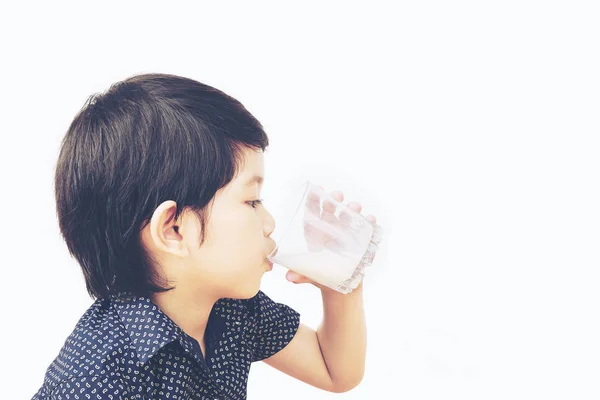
189, 313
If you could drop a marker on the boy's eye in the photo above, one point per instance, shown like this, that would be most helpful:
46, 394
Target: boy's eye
253, 203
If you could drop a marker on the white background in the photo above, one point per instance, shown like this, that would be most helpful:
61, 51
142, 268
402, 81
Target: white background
469, 128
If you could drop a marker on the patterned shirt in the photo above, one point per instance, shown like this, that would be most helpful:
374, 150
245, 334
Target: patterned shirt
126, 348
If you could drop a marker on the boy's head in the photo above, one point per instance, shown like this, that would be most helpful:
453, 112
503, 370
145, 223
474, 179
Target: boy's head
154, 190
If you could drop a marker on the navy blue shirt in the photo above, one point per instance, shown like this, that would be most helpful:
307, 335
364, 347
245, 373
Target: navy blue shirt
126, 348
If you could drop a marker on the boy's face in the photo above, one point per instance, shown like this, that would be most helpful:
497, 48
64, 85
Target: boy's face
232, 259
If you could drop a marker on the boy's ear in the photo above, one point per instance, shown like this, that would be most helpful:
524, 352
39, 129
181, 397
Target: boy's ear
164, 230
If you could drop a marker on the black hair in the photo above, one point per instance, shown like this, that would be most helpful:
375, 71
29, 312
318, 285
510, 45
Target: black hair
147, 139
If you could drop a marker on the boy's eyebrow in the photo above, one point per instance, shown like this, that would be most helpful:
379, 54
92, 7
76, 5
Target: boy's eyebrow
254, 179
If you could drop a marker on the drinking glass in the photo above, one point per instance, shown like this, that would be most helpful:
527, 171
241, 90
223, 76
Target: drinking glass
327, 241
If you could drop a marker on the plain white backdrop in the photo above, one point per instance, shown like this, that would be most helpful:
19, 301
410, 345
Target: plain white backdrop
470, 129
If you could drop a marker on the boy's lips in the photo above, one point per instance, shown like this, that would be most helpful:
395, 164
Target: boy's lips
268, 258
274, 251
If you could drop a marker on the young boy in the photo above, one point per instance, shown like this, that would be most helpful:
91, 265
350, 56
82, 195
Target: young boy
157, 187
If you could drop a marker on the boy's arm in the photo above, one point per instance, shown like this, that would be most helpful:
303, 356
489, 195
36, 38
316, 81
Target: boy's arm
331, 358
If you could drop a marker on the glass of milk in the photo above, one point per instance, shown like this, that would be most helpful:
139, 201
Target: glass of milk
326, 241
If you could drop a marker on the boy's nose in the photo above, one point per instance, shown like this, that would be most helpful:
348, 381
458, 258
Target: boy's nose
269, 225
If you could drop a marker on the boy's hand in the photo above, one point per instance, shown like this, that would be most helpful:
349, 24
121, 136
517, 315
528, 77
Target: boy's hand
326, 214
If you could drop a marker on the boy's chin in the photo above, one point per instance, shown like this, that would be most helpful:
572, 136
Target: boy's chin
244, 293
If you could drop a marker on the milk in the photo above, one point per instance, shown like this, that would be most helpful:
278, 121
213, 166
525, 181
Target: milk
325, 266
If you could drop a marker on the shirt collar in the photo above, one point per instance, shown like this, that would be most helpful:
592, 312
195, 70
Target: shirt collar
148, 327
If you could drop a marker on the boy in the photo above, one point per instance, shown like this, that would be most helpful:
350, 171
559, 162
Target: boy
157, 186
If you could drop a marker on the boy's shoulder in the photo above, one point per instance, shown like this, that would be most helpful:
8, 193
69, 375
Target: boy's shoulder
98, 332
98, 336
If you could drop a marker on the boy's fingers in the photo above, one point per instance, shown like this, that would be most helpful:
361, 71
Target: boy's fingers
296, 277
346, 216
313, 204
329, 206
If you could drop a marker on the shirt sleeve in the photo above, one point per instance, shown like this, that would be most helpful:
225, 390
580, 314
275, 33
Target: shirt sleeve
273, 326
92, 388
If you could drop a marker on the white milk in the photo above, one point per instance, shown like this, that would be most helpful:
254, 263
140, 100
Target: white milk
325, 267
